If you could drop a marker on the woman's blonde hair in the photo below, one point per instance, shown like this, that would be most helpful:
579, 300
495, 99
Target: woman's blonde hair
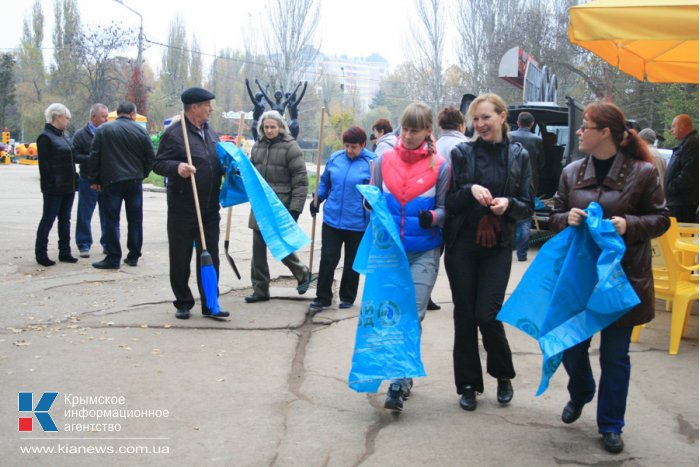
499, 106
419, 116
55, 110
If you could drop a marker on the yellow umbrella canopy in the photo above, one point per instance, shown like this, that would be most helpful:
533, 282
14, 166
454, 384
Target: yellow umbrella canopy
653, 38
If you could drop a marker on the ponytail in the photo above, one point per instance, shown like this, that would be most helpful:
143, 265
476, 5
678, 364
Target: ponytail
635, 146
431, 150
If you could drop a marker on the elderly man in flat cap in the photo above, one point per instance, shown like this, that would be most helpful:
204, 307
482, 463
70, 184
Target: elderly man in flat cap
171, 162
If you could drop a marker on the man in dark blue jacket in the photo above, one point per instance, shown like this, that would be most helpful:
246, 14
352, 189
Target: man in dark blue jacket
121, 156
533, 144
87, 197
681, 184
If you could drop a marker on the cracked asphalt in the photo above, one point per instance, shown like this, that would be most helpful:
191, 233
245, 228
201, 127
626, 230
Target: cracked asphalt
269, 385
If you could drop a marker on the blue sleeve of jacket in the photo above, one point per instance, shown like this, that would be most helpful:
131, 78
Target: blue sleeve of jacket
324, 185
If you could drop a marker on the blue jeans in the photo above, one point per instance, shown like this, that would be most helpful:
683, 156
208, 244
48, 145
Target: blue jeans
54, 206
614, 376
131, 192
87, 199
522, 242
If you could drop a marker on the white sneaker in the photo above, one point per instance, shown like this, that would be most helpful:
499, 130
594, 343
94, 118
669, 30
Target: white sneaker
85, 254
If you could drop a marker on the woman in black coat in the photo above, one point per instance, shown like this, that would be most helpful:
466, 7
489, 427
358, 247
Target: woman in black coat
490, 192
59, 182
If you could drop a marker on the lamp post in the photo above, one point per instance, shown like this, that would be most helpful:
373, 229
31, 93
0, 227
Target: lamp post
137, 93
139, 56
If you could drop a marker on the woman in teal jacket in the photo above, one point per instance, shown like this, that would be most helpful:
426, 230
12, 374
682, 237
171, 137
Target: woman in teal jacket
344, 218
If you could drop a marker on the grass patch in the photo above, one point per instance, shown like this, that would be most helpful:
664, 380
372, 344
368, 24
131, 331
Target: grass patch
312, 183
155, 179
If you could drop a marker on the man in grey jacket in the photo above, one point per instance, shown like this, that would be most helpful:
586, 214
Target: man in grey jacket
87, 197
120, 158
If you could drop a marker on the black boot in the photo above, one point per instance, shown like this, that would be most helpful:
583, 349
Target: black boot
504, 394
613, 442
571, 413
468, 399
45, 261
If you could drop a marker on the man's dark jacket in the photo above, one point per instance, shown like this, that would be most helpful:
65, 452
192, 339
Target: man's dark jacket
121, 150
81, 149
681, 184
535, 149
171, 153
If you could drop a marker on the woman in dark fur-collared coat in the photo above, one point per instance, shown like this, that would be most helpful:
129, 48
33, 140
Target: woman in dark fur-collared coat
617, 174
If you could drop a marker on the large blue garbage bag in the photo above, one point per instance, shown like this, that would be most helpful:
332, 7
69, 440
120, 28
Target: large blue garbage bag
574, 288
281, 233
387, 343
233, 190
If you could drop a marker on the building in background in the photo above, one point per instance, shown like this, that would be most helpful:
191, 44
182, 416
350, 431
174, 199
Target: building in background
359, 77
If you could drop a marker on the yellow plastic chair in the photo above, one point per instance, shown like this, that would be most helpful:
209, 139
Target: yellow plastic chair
676, 284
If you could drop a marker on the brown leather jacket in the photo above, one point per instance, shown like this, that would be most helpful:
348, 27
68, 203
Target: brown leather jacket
632, 189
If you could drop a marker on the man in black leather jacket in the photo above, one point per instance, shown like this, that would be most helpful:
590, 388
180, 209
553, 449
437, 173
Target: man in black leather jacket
121, 156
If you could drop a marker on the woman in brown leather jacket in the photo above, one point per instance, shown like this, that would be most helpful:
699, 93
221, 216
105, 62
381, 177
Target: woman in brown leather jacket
618, 175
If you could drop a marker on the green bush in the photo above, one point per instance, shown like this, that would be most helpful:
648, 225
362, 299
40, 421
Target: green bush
155, 179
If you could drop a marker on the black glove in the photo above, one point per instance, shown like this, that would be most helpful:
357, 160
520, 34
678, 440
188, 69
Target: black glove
425, 219
295, 215
313, 209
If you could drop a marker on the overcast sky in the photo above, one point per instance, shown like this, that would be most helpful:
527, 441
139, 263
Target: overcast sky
354, 28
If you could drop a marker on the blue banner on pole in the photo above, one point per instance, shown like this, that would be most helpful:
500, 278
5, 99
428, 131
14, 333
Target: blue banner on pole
387, 342
282, 234
574, 288
233, 190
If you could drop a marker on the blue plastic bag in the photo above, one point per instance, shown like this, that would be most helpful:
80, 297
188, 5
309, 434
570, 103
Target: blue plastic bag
233, 190
387, 342
574, 288
281, 233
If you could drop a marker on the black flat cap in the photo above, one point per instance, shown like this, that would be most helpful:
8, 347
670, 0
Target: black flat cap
194, 95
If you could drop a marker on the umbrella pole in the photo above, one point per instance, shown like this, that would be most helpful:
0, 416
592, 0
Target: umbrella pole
207, 271
315, 200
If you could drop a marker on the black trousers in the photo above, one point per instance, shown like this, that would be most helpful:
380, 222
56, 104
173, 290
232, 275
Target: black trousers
332, 242
183, 232
478, 279
684, 213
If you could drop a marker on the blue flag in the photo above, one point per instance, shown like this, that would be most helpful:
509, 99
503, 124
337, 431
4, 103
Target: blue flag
387, 343
233, 190
574, 288
282, 234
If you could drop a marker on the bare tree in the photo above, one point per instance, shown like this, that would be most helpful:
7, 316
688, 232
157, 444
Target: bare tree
99, 47
67, 45
174, 67
31, 75
487, 29
289, 38
429, 38
195, 74
30, 59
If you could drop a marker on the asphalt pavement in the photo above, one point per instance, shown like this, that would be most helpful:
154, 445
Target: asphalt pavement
269, 386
